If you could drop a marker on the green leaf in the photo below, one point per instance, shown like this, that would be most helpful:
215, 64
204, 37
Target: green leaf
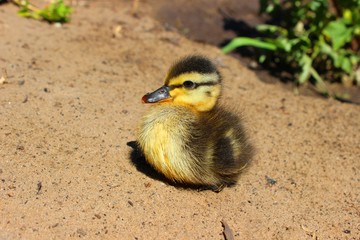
24, 12
244, 41
283, 44
56, 12
346, 65
342, 59
339, 33
309, 38
354, 59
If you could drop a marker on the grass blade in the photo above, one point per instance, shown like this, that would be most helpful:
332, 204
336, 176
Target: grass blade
245, 41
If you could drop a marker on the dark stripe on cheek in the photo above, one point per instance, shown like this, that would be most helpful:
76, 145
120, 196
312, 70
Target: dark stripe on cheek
196, 85
208, 84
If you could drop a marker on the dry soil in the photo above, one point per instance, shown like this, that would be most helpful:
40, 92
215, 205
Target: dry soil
71, 103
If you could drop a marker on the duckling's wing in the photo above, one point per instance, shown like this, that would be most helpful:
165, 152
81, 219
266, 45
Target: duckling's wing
232, 150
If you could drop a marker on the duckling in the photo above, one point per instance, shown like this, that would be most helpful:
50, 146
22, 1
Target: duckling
186, 136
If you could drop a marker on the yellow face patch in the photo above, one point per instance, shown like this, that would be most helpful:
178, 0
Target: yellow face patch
202, 94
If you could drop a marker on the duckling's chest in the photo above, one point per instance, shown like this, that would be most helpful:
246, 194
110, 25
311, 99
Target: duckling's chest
166, 125
163, 136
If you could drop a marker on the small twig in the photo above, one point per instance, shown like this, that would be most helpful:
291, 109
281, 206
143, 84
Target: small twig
228, 233
39, 187
135, 7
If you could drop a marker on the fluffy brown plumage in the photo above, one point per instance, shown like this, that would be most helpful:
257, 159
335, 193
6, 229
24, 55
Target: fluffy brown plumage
186, 136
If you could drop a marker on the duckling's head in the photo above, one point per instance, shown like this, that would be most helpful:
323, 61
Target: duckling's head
193, 81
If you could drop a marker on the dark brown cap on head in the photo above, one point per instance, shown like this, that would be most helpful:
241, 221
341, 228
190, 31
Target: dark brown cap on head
189, 64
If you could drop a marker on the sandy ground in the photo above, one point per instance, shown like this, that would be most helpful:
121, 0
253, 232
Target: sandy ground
72, 102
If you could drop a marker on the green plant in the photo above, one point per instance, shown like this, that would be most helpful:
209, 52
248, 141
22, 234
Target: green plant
317, 41
56, 11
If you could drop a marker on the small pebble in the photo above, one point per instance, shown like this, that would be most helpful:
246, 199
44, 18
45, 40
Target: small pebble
270, 181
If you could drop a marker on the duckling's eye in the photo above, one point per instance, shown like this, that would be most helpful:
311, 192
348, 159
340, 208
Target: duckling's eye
189, 84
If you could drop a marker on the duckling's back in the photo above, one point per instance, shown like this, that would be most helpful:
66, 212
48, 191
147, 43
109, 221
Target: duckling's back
231, 148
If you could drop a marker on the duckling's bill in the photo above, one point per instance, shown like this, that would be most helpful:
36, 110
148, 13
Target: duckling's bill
160, 95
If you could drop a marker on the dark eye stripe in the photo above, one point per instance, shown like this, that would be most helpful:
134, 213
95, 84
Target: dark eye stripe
196, 85
208, 84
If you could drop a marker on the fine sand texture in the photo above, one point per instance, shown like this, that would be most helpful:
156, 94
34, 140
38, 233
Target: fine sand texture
70, 101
